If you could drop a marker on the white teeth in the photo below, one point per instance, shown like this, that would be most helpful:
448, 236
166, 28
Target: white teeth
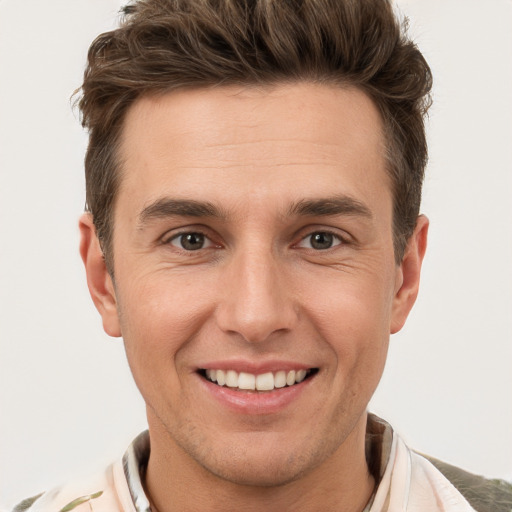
290, 378
280, 379
220, 378
246, 381
300, 375
231, 379
263, 382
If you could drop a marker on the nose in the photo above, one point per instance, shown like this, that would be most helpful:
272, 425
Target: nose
257, 297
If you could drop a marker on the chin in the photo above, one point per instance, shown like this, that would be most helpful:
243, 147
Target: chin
263, 463
260, 473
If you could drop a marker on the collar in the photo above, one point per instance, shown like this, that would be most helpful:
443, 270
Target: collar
379, 440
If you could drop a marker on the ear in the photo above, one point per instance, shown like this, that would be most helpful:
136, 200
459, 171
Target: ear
99, 281
408, 275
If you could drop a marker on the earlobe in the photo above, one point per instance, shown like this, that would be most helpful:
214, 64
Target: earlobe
99, 281
408, 275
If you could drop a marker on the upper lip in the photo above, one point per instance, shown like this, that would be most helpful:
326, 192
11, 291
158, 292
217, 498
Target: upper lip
256, 368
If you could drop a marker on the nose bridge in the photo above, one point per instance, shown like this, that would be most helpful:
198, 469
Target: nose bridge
257, 300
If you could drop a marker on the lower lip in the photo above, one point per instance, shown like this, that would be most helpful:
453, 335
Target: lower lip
257, 403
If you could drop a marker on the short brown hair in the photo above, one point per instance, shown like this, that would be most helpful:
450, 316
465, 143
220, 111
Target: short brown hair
165, 45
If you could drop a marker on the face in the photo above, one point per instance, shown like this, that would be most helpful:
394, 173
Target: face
255, 280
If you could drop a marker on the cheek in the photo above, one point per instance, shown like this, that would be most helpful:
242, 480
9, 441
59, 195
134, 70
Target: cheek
353, 317
162, 315
162, 306
157, 321
353, 304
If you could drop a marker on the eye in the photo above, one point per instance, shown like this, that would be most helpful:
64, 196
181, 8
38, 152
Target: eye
191, 241
320, 240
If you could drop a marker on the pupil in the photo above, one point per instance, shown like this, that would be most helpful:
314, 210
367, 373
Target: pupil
192, 241
321, 241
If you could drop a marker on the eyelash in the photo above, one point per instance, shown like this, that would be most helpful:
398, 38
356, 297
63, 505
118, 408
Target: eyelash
337, 240
177, 236
335, 236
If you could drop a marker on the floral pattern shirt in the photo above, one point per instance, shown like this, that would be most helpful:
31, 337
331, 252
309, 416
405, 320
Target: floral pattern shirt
406, 482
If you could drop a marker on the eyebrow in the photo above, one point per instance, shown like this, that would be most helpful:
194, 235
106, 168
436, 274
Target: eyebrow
167, 207
336, 205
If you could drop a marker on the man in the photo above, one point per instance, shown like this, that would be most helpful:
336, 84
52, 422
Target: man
253, 233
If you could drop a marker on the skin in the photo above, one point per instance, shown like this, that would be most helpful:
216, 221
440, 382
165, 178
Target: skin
258, 291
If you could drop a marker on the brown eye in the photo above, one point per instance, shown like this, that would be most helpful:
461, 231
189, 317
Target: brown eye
320, 241
190, 241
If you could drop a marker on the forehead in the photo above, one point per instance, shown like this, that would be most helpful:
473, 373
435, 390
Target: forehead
286, 140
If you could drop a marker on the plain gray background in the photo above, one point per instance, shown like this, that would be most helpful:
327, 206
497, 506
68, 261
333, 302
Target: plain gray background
68, 404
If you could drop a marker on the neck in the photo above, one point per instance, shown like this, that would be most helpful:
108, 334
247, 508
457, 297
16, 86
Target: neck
175, 482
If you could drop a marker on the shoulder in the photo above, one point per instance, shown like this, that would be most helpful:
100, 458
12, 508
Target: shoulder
118, 488
97, 493
53, 500
483, 494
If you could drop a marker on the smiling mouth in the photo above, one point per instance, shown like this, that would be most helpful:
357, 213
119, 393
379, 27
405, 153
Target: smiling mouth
250, 382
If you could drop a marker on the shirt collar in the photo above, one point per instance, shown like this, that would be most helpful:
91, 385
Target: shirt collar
379, 439
135, 463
